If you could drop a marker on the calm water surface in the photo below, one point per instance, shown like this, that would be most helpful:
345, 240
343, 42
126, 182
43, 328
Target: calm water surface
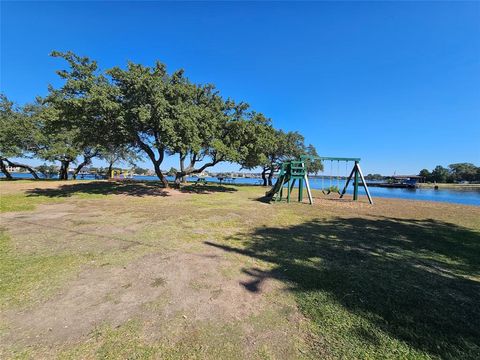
467, 197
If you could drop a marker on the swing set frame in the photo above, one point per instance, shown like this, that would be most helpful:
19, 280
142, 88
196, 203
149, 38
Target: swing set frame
356, 174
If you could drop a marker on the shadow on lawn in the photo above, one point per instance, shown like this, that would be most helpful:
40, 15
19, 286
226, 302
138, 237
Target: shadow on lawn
131, 188
206, 189
408, 277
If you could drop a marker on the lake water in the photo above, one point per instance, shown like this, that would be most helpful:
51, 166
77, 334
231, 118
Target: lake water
467, 197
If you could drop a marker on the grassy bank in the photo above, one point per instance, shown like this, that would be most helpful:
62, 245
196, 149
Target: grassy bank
449, 186
129, 270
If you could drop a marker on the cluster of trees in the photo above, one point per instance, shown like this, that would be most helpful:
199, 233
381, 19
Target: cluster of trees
453, 173
374, 177
140, 111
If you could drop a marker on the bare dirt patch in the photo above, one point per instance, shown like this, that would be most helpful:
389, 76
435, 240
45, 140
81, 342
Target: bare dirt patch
66, 227
170, 292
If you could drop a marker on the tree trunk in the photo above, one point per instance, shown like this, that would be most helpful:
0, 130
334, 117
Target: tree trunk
270, 177
156, 163
160, 175
63, 174
179, 176
264, 177
87, 158
4, 170
109, 171
23, 166
79, 168
191, 170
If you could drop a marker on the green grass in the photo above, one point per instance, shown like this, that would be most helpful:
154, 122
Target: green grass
28, 200
22, 202
399, 280
25, 275
377, 288
203, 340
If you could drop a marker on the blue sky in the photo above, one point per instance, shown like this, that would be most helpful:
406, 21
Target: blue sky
395, 83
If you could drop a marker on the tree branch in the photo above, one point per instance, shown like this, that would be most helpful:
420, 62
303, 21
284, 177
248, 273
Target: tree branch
23, 166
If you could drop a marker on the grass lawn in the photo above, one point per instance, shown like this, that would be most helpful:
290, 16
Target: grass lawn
129, 270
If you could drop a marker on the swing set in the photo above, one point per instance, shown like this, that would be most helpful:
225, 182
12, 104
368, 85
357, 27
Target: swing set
291, 171
332, 187
355, 174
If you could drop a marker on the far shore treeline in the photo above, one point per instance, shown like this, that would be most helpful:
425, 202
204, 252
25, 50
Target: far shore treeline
460, 172
124, 114
453, 173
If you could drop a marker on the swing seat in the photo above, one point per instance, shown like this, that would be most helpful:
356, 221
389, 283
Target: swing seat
327, 192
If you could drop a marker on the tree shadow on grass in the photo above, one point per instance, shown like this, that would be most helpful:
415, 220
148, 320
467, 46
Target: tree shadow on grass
130, 188
412, 279
265, 199
206, 189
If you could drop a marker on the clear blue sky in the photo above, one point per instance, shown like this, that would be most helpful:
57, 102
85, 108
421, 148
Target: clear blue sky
397, 84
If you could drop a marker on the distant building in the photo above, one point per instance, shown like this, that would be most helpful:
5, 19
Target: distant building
14, 169
407, 179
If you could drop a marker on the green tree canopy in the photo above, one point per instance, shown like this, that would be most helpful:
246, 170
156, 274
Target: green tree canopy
18, 136
463, 171
440, 174
313, 166
425, 173
121, 112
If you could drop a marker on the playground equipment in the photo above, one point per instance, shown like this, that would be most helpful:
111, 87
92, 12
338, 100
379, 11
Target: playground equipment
121, 174
291, 171
332, 186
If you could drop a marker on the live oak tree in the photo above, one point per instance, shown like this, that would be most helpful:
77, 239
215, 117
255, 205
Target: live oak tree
87, 111
199, 117
52, 142
313, 166
262, 140
211, 131
121, 112
145, 120
172, 171
113, 154
196, 112
17, 137
48, 171
165, 114
272, 147
286, 146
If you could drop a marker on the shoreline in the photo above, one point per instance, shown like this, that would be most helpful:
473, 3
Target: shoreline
448, 186
26, 183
